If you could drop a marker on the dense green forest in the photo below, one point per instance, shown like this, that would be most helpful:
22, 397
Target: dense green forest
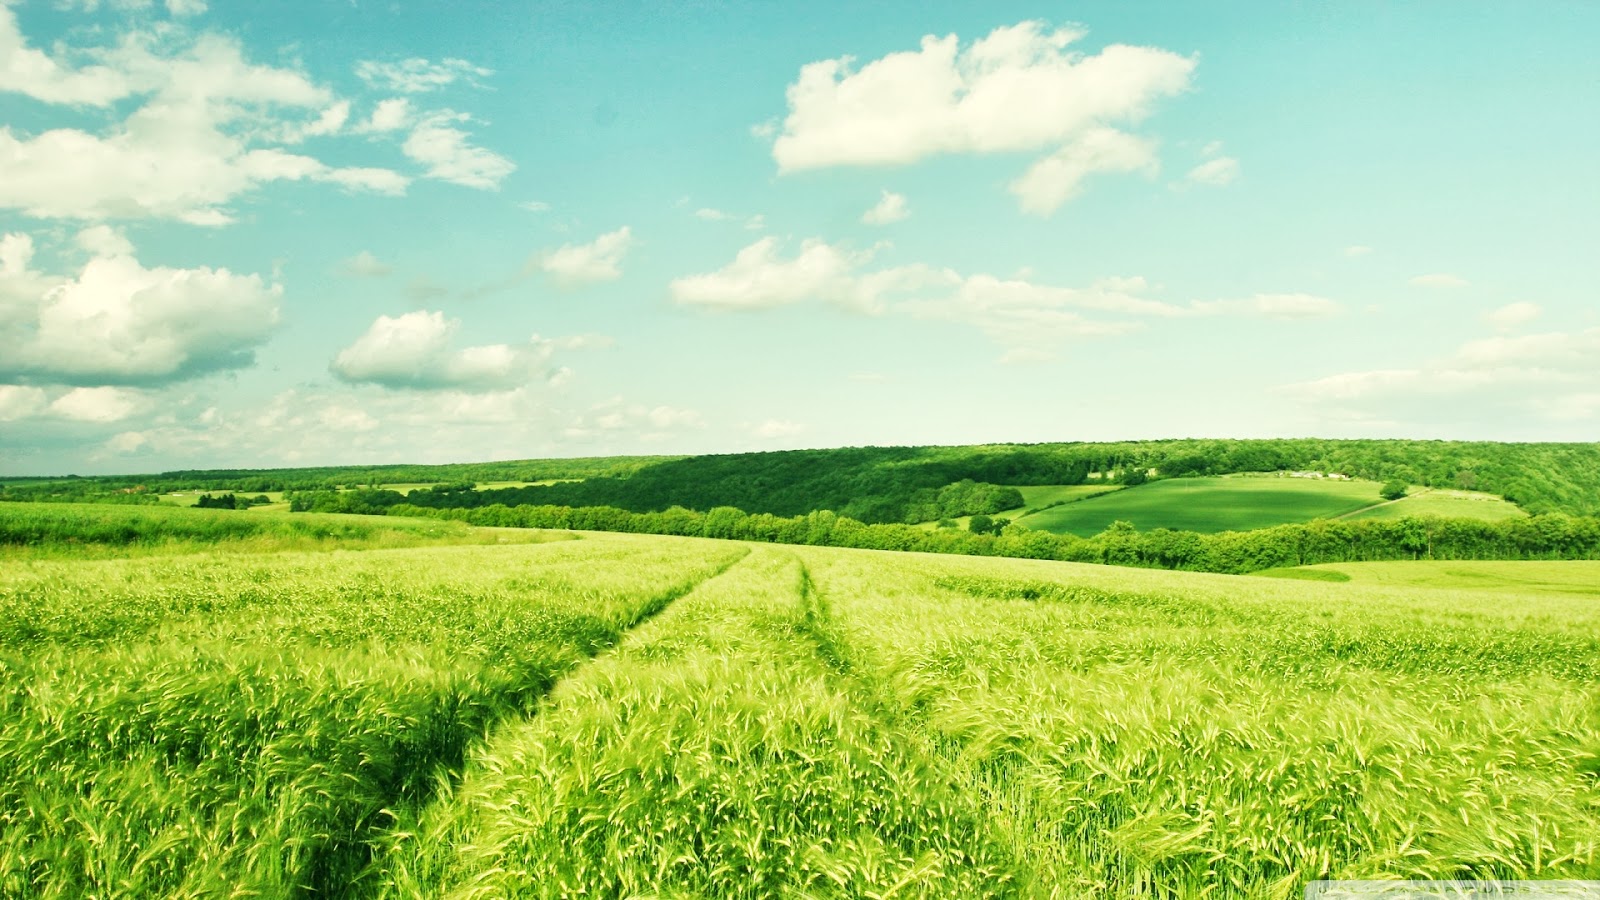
879, 485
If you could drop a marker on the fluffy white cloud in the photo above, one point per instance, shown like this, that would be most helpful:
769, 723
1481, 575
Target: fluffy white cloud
392, 114
1439, 280
1355, 250
890, 208
1218, 172
417, 75
365, 265
202, 133
598, 260
1058, 177
21, 402
1513, 316
760, 278
445, 149
99, 404
415, 351
117, 322
1021, 88
1552, 377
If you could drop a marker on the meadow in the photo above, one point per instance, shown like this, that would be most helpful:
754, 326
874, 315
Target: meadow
632, 715
1445, 504
1209, 505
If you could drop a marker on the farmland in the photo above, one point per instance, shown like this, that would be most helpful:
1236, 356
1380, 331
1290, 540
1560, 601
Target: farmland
629, 715
1445, 504
1210, 505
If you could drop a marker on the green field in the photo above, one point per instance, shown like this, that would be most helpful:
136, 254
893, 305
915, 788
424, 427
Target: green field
1577, 578
1039, 496
633, 716
1445, 504
1232, 503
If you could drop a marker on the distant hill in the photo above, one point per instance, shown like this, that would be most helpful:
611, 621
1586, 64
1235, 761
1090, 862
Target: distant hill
903, 484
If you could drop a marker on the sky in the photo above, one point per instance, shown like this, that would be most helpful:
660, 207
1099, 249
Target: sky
325, 233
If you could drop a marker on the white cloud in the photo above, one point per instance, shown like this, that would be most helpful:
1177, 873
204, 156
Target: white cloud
1015, 312
775, 429
1355, 250
445, 150
890, 208
414, 351
392, 114
536, 206
1439, 280
1552, 376
1513, 316
126, 443
365, 265
598, 260
712, 215
200, 134
1021, 88
1058, 177
21, 402
186, 7
1218, 172
417, 75
32, 72
117, 322
759, 278
98, 404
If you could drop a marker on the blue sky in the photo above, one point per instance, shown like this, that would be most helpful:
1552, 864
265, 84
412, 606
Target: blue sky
352, 232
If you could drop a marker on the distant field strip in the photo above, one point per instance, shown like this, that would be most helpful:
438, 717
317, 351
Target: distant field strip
1209, 505
1446, 504
251, 725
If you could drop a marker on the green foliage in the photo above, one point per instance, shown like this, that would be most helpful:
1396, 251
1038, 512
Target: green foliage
1393, 490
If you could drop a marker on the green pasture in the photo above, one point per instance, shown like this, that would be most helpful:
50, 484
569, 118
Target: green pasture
645, 716
1447, 504
1573, 578
1227, 503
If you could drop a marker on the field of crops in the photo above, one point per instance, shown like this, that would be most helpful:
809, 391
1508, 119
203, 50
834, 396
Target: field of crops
622, 716
1207, 505
1446, 504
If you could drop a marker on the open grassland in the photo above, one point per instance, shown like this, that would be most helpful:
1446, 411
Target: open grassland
1209, 505
633, 716
87, 530
1575, 578
1445, 504
1036, 498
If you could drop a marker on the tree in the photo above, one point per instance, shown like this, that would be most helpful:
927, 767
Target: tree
1393, 489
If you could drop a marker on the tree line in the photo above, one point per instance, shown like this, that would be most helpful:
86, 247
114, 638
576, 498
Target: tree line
883, 485
1551, 536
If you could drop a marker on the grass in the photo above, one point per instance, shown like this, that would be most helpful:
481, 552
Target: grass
1208, 505
1037, 497
1446, 504
644, 716
250, 726
87, 530
1574, 578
